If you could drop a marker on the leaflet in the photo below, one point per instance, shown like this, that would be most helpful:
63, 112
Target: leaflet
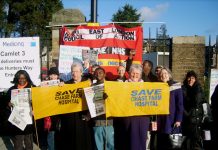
95, 100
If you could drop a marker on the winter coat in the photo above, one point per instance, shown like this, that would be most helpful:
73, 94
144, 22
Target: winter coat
8, 128
75, 132
193, 110
165, 123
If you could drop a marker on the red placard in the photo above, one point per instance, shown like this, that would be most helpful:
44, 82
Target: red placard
113, 41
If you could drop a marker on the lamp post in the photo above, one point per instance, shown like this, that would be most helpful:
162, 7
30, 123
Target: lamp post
94, 8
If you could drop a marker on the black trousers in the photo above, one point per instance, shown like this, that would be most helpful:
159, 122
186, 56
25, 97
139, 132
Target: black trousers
23, 140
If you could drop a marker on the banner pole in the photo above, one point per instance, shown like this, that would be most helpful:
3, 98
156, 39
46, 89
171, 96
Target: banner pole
106, 135
37, 138
84, 23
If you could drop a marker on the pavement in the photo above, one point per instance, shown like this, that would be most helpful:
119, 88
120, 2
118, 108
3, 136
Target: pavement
6, 144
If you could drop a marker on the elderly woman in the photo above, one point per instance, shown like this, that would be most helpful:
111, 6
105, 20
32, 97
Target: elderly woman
166, 123
133, 130
75, 132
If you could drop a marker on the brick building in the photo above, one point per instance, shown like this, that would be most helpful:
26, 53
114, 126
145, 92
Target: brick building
188, 53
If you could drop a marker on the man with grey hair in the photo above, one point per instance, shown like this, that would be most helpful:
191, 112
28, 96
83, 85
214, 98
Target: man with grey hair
76, 72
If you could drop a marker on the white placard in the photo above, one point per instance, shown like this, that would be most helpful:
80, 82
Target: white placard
50, 83
70, 54
19, 54
95, 100
213, 81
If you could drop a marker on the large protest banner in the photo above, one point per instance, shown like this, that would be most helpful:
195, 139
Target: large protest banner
19, 54
113, 43
49, 101
136, 98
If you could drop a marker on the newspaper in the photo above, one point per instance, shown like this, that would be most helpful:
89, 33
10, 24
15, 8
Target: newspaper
21, 99
50, 83
95, 100
16, 119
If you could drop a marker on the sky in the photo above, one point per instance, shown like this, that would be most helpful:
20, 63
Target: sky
182, 17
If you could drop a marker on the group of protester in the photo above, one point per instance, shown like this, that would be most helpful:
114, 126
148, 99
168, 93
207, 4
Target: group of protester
81, 132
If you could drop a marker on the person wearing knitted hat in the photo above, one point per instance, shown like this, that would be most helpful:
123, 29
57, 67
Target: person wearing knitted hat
47, 126
53, 71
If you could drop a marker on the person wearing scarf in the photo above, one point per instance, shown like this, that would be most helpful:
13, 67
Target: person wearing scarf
133, 134
19, 138
166, 123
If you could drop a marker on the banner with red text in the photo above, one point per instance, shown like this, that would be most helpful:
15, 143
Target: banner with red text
112, 43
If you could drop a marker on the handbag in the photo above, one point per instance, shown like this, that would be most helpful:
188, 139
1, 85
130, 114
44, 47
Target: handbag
176, 139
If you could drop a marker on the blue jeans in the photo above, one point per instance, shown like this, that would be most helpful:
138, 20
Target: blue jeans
104, 136
50, 140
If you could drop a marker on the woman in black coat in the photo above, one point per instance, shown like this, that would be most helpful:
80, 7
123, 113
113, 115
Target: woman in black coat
193, 112
21, 80
75, 131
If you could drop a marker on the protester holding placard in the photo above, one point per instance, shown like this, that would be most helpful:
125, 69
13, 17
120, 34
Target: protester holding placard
21, 81
75, 131
134, 129
47, 126
166, 123
103, 129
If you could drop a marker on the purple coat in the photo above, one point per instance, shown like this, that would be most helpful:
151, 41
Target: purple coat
165, 123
